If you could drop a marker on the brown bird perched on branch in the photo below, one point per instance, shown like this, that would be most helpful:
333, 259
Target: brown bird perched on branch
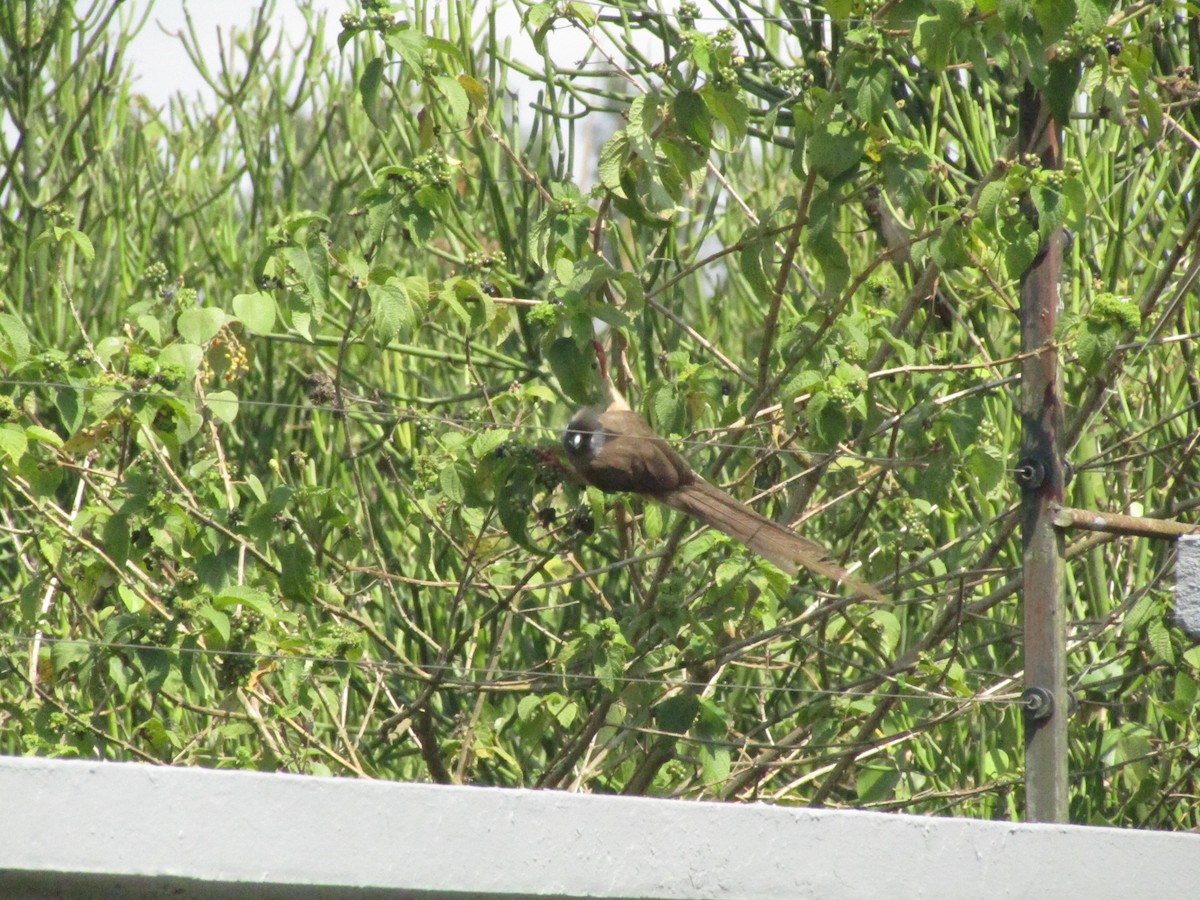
614, 449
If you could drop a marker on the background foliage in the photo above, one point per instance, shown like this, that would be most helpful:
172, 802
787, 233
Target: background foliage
282, 378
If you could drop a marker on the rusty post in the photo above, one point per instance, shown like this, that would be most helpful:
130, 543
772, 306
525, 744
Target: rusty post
1040, 473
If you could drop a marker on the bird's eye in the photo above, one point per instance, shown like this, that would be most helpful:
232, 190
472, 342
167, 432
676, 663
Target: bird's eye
574, 441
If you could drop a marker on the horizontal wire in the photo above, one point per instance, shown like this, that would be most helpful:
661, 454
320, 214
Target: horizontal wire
386, 412
510, 676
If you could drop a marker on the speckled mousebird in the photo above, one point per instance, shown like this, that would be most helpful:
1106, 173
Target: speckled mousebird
614, 449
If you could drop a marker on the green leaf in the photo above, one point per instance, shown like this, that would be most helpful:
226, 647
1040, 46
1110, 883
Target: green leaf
1160, 640
451, 482
476, 91
676, 714
527, 706
242, 595
311, 265
391, 309
13, 442
993, 201
715, 763
583, 12
513, 487
224, 405
987, 466
1056, 16
693, 116
1021, 246
116, 539
877, 781
488, 441
298, 578
83, 242
368, 91
1136, 617
889, 629
255, 311
456, 97
217, 619
835, 150
1094, 345
869, 92
14, 340
187, 356
411, 45
827, 250
573, 369
756, 261
728, 109
827, 418
200, 325
564, 710
1051, 208
43, 436
1061, 85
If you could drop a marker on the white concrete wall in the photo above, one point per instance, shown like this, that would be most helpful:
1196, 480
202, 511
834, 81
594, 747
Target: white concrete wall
83, 829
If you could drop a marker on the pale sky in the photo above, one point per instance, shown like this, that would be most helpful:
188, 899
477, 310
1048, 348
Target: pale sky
163, 69
160, 66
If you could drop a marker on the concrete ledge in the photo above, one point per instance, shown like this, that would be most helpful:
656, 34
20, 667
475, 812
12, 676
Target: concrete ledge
83, 829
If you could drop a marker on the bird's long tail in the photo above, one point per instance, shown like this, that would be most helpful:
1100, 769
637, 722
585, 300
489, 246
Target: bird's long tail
768, 539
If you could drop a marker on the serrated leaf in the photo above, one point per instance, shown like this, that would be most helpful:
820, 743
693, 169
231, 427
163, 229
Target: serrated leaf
391, 309
311, 265
869, 91
993, 200
1160, 640
1137, 616
573, 369
614, 157
986, 465
514, 499
43, 435
889, 629
1094, 345
243, 595
1062, 82
1051, 208
456, 97
728, 109
488, 441
676, 714
411, 45
368, 90
1021, 246
83, 242
693, 117
835, 150
451, 482
298, 577
527, 706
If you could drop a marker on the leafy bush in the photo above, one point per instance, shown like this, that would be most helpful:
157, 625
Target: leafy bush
282, 383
